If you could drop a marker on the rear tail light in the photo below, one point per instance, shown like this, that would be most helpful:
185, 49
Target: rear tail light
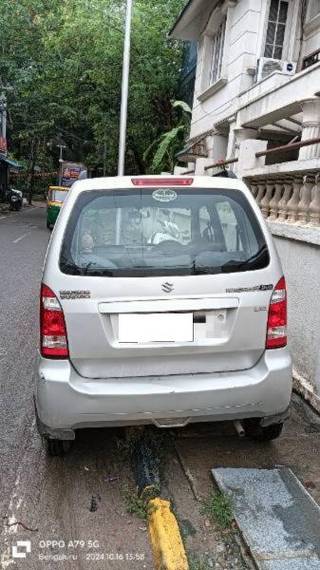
277, 318
162, 181
53, 332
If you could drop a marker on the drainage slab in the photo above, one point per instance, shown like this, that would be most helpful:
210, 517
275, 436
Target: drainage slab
278, 519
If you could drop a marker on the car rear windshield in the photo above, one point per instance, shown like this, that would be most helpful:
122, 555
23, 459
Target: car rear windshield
162, 231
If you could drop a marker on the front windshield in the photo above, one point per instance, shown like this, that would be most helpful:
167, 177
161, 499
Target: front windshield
162, 231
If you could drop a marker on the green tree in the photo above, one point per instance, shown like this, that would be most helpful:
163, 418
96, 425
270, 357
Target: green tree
63, 61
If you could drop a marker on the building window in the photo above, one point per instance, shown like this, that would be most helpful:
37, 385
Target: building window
217, 53
276, 29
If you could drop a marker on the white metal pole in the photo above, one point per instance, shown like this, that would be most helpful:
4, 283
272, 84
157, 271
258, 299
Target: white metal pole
3, 112
61, 147
125, 90
124, 106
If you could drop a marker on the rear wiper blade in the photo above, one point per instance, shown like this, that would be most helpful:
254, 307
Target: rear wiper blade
206, 270
233, 263
86, 270
71, 268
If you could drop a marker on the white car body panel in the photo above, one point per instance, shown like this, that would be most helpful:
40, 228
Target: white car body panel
224, 372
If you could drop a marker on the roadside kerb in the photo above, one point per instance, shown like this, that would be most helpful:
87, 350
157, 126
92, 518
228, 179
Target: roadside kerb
166, 541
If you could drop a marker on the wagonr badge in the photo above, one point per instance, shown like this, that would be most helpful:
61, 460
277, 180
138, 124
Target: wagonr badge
167, 287
71, 295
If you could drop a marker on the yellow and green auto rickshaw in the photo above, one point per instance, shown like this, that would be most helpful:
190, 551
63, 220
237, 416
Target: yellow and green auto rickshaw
55, 198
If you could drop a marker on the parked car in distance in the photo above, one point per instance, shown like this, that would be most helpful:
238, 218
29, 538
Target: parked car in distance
55, 198
163, 302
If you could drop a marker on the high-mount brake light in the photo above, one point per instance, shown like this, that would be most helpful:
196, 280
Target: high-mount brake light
53, 332
277, 317
160, 182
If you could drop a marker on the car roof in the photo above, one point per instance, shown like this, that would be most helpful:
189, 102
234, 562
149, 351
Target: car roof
121, 182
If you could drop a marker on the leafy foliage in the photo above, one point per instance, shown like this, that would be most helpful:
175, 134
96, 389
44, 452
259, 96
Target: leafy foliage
167, 141
170, 142
218, 508
61, 62
182, 105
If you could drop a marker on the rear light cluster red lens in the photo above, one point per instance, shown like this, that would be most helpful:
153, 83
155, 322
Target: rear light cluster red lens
159, 182
53, 332
277, 318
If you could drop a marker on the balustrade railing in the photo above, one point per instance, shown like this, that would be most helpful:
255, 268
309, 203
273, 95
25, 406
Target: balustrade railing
289, 199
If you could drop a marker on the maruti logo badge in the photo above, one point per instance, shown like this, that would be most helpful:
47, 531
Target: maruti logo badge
167, 287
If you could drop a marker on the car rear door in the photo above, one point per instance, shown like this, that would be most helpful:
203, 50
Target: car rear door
201, 310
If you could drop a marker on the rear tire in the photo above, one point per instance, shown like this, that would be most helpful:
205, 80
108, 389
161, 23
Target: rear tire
57, 447
259, 433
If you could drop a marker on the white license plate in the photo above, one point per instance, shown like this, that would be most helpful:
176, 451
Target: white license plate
156, 327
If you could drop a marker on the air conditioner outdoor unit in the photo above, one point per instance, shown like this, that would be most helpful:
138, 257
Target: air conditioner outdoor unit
267, 65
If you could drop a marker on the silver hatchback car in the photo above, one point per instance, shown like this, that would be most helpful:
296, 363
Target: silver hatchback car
163, 301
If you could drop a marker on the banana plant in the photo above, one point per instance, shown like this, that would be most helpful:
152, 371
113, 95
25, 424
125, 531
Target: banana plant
168, 144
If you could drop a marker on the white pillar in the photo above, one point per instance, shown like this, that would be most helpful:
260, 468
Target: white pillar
241, 134
310, 128
253, 186
275, 200
261, 192
217, 147
201, 163
181, 170
283, 204
265, 202
247, 156
314, 209
305, 199
293, 203
231, 137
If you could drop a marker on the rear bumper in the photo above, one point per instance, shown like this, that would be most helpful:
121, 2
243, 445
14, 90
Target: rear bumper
65, 401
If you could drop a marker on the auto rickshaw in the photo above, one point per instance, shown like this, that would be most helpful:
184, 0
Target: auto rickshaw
55, 198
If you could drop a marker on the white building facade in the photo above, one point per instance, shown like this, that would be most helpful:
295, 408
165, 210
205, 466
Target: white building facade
257, 89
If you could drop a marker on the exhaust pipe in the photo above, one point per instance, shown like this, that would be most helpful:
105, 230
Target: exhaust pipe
239, 428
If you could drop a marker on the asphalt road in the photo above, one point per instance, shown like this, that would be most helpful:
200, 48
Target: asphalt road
23, 241
79, 501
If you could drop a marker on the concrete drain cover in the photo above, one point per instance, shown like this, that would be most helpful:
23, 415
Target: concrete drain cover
278, 519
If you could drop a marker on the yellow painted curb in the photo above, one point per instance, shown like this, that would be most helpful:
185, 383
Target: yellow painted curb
166, 541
